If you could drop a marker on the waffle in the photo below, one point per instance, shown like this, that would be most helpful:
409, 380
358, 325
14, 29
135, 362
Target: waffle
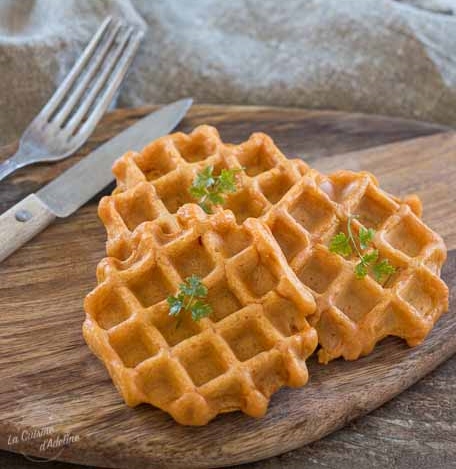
354, 314
153, 184
256, 340
151, 187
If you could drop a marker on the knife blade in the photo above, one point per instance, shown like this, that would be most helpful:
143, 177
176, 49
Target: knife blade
81, 182
77, 185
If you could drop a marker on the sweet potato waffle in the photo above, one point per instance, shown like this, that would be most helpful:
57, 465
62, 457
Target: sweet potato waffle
302, 209
256, 340
153, 184
354, 314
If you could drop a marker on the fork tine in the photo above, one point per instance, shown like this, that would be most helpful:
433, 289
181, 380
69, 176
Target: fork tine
84, 106
82, 85
112, 87
75, 71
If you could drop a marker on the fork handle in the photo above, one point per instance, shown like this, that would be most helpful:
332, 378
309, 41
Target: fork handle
21, 223
7, 167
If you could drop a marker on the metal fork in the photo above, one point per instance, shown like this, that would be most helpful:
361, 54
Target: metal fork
74, 110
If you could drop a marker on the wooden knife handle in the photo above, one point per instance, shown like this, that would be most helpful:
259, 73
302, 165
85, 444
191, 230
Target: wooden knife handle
21, 223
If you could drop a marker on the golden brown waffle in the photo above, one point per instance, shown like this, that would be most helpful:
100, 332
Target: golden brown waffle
153, 184
354, 314
256, 340
146, 191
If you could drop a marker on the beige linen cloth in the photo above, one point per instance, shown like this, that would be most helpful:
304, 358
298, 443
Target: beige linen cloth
377, 56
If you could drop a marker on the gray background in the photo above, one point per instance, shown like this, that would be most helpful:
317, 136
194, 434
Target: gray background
377, 56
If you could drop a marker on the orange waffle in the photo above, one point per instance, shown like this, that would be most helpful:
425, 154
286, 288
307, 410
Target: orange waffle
153, 184
256, 340
354, 314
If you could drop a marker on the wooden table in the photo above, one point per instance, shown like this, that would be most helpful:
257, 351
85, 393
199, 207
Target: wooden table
415, 430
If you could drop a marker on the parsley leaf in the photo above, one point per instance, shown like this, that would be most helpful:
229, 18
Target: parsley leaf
189, 298
197, 192
382, 269
205, 178
210, 189
215, 199
360, 270
340, 244
345, 245
200, 310
227, 180
194, 287
175, 304
365, 237
370, 257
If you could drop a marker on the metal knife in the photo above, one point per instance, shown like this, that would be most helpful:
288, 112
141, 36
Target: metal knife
76, 186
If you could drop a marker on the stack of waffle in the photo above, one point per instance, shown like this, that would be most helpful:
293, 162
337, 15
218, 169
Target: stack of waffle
273, 283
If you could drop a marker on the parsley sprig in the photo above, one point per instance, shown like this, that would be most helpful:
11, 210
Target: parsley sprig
346, 245
210, 189
190, 298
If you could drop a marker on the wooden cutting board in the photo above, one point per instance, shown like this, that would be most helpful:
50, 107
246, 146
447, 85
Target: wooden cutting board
52, 386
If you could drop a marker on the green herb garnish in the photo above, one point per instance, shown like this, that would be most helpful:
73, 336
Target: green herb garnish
365, 237
210, 189
189, 298
340, 244
383, 268
345, 246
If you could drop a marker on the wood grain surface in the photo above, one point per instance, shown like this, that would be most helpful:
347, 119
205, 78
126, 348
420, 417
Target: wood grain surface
50, 379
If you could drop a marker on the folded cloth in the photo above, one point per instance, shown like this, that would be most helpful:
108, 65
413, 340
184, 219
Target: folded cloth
377, 56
